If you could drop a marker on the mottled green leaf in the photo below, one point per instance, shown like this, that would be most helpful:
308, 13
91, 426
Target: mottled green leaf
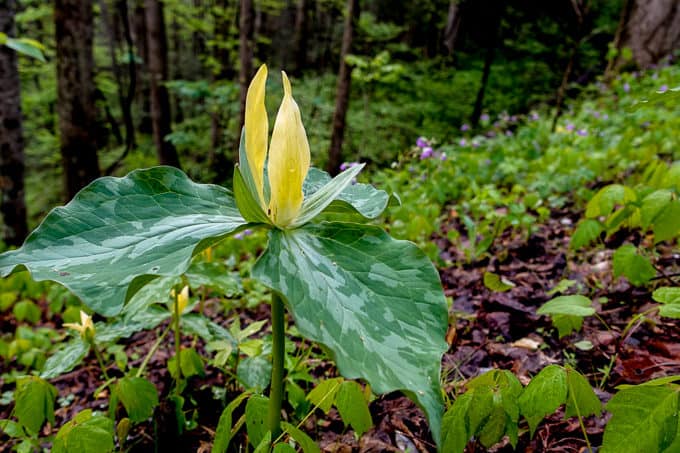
351, 403
317, 202
358, 198
376, 302
86, 433
215, 276
254, 372
118, 233
25, 46
545, 393
139, 397
636, 268
604, 201
644, 419
34, 402
65, 359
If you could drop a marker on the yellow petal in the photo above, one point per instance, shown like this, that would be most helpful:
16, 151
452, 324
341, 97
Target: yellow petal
183, 299
257, 129
288, 160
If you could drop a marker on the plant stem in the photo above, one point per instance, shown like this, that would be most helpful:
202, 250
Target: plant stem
178, 368
152, 351
276, 388
100, 360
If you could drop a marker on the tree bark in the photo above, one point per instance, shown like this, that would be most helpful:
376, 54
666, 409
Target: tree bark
494, 40
452, 26
12, 167
613, 63
301, 13
158, 74
653, 30
343, 90
76, 107
144, 125
245, 53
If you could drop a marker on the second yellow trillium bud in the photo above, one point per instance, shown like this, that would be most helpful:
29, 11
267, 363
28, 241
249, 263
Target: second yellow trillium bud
85, 328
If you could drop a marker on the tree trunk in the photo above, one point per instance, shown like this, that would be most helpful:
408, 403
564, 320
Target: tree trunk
342, 91
301, 13
158, 74
452, 26
245, 54
653, 30
76, 107
12, 203
144, 93
494, 40
614, 62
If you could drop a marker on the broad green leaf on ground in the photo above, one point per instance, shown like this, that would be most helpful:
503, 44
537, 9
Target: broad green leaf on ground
85, 433
65, 359
604, 201
667, 223
545, 393
669, 297
139, 397
323, 395
455, 425
376, 302
254, 372
644, 419
652, 205
34, 402
256, 419
567, 312
363, 199
587, 232
353, 407
118, 233
303, 440
581, 398
636, 268
223, 433
216, 276
495, 283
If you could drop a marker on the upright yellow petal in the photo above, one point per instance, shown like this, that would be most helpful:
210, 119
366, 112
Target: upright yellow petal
257, 129
288, 160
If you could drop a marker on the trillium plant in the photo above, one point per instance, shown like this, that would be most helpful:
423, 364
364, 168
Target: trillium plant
374, 302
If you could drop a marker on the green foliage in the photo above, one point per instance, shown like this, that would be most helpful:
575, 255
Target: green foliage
87, 433
256, 419
644, 418
25, 46
34, 403
495, 283
139, 397
634, 266
670, 300
567, 312
223, 433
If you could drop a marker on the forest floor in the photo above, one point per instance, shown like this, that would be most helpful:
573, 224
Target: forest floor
492, 330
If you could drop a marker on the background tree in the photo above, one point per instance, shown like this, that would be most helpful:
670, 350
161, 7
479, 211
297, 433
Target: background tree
158, 73
343, 89
652, 30
245, 54
12, 203
78, 119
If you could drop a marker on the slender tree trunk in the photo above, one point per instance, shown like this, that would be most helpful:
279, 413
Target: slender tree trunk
618, 38
246, 27
494, 41
301, 13
581, 10
76, 108
140, 43
158, 73
452, 26
343, 90
12, 203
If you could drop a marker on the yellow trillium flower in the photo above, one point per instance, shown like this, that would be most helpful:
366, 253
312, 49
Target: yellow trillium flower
85, 328
288, 156
182, 298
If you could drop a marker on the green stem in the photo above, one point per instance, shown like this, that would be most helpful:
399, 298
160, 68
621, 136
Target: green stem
100, 360
580, 421
178, 368
152, 351
276, 389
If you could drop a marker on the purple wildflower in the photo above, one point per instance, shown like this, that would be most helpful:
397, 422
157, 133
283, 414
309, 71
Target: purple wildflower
605, 117
475, 144
509, 133
462, 142
596, 114
582, 132
484, 117
238, 236
427, 152
442, 157
663, 88
569, 127
421, 142
465, 127
534, 116
626, 87
247, 232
